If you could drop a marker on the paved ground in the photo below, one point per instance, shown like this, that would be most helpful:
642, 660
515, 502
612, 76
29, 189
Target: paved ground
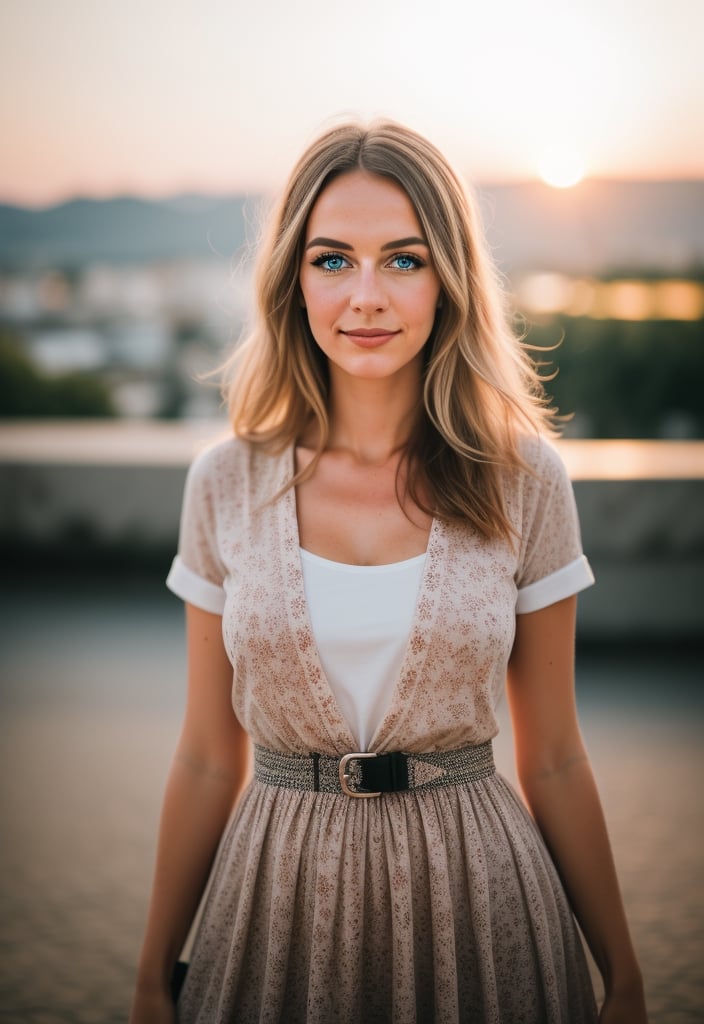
89, 717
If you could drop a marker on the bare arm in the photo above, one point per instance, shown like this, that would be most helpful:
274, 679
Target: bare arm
558, 785
209, 769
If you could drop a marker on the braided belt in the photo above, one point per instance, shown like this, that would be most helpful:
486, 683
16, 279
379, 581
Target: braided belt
366, 775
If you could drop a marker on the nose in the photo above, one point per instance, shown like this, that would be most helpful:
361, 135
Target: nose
368, 293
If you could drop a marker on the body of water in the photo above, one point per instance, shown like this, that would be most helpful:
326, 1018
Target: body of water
92, 685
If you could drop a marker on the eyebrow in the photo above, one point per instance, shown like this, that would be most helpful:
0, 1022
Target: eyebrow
332, 243
329, 243
401, 243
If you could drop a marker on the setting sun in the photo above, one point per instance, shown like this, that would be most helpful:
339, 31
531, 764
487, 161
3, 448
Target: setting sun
561, 167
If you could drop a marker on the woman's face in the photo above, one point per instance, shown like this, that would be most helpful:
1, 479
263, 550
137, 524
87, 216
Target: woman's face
368, 284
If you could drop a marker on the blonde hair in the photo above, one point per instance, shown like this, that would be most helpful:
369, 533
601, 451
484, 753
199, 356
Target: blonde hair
481, 391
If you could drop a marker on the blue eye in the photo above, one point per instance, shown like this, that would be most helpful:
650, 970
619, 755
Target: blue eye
331, 262
405, 261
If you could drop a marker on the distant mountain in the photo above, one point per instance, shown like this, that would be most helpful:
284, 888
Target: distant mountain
123, 230
596, 227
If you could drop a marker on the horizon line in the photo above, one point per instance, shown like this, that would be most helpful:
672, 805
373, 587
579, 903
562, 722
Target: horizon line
216, 194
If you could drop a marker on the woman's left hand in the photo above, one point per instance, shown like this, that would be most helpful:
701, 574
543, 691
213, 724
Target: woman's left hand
624, 1007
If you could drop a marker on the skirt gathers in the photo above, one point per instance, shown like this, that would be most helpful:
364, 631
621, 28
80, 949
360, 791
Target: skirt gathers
432, 907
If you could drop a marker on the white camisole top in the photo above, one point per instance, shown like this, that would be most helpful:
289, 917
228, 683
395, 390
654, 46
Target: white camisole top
361, 617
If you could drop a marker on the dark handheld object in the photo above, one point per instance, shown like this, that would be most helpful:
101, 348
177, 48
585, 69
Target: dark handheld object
177, 979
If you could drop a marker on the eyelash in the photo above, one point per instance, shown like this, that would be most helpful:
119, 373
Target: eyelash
415, 260
324, 257
319, 261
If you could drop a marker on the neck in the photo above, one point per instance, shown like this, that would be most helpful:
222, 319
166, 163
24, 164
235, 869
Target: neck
372, 419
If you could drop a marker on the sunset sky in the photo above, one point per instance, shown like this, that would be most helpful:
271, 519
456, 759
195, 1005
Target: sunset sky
159, 97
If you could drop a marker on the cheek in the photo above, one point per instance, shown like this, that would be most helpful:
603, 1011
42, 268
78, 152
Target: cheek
319, 312
318, 301
427, 304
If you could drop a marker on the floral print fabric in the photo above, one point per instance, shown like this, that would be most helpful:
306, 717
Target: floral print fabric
412, 907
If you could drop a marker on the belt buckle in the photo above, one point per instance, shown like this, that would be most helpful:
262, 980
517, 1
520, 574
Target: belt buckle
346, 776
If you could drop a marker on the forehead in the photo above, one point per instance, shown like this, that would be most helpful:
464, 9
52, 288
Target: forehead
360, 202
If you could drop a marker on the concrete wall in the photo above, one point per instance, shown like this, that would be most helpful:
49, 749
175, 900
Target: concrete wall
115, 490
645, 541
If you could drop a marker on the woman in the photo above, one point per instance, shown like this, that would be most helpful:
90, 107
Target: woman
385, 542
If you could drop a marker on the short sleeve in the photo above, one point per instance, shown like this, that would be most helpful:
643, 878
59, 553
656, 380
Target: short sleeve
552, 565
197, 572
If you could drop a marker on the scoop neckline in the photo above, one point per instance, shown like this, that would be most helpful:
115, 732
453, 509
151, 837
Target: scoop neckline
406, 563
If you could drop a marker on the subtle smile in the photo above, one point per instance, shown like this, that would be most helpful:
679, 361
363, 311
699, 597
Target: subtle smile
370, 337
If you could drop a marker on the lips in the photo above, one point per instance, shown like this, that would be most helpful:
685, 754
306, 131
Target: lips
370, 337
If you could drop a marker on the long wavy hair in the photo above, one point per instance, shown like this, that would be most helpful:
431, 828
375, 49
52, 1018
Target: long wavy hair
481, 391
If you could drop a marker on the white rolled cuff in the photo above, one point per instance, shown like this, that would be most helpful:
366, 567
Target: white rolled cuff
194, 589
568, 580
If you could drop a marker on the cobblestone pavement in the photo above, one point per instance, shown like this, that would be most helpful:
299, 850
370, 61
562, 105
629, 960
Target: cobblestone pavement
82, 776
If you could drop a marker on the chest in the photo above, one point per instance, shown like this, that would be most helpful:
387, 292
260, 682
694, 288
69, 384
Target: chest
357, 515
451, 664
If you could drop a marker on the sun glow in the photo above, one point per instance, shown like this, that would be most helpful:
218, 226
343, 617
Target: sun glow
561, 167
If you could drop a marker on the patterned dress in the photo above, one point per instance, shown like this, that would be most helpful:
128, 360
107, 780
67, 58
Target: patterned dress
436, 906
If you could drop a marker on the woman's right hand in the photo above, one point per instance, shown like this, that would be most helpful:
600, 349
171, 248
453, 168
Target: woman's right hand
210, 767
154, 1007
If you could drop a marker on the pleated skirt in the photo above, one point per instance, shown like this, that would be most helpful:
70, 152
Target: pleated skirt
432, 907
